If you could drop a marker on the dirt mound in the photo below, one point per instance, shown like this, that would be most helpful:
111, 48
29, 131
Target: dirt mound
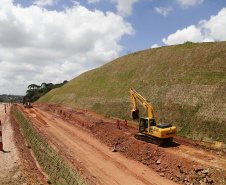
183, 161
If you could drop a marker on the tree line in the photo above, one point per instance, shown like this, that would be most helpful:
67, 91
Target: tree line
35, 91
11, 98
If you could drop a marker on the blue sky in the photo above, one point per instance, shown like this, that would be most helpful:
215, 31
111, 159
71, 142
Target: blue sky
56, 40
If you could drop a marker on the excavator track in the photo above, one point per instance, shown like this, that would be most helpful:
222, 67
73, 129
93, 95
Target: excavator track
151, 139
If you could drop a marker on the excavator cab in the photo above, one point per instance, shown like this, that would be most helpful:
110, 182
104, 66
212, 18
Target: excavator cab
146, 124
143, 125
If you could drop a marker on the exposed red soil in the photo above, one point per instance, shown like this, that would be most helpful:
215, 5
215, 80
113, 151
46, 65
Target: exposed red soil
184, 161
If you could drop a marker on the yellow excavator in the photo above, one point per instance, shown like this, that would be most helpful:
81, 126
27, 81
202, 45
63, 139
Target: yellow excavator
27, 104
148, 130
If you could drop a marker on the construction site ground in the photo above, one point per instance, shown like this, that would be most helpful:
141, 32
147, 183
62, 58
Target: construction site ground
103, 154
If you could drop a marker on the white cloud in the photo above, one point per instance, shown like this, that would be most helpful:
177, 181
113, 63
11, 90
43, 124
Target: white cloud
192, 33
43, 3
125, 7
155, 46
216, 26
37, 45
93, 1
206, 31
188, 3
164, 10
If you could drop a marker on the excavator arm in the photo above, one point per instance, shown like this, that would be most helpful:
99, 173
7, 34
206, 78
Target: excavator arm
135, 112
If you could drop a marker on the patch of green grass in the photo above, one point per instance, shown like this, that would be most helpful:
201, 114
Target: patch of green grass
184, 131
153, 52
205, 75
187, 44
100, 79
214, 75
96, 107
127, 75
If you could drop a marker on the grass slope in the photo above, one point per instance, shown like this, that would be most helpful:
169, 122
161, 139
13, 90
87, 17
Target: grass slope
186, 85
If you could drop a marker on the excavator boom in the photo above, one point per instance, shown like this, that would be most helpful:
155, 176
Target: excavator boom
135, 112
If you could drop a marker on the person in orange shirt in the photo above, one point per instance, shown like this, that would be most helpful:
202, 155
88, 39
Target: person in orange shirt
117, 124
125, 123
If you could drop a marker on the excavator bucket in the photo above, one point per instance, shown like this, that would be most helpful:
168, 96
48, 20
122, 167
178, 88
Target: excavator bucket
135, 114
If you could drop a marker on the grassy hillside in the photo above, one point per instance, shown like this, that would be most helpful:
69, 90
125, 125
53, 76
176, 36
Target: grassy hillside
186, 85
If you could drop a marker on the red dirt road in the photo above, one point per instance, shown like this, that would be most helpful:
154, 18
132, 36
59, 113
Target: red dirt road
100, 164
87, 141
